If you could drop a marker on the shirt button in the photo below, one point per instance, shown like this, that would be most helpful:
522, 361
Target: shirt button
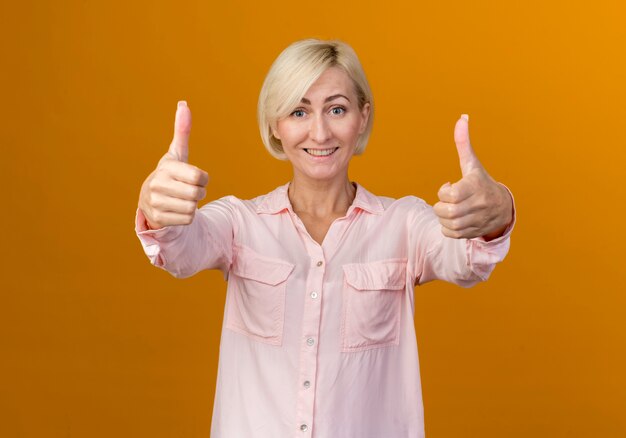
304, 427
306, 384
313, 295
320, 263
310, 341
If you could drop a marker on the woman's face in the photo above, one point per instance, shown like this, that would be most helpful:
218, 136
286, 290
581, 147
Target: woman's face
319, 136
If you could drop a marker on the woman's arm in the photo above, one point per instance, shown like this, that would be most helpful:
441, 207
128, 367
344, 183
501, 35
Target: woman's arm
434, 256
467, 232
175, 234
183, 250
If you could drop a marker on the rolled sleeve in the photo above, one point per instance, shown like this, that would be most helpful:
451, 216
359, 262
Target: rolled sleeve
183, 250
153, 241
464, 262
483, 255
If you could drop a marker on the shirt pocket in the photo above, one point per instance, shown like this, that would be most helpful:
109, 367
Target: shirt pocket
372, 303
256, 298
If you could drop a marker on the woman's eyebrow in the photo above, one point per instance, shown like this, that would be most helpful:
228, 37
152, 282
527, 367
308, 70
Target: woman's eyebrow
328, 99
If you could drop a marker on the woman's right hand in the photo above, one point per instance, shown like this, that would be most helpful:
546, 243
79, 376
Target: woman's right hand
170, 194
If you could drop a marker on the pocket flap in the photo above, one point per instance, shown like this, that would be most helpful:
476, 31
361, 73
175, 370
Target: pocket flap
384, 274
249, 264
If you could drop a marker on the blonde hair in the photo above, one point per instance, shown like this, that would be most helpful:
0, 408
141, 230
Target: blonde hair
291, 75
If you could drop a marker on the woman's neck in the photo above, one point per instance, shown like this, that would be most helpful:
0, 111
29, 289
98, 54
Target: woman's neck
321, 199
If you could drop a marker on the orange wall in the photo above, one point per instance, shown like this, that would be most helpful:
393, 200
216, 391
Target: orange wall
95, 342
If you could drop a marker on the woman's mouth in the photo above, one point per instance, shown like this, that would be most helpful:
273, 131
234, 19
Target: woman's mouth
321, 152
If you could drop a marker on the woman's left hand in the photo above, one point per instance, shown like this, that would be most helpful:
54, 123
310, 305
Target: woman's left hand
477, 205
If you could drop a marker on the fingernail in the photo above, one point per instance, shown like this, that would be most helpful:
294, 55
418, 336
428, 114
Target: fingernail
465, 117
182, 103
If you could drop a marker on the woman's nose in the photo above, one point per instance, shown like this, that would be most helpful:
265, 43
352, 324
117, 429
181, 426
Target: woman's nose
319, 131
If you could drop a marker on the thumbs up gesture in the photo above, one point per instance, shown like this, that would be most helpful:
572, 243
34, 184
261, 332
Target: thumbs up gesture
170, 194
476, 205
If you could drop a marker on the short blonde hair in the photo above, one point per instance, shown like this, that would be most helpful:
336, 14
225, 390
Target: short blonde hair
291, 75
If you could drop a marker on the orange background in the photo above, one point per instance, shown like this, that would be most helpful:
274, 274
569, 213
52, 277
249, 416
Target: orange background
95, 342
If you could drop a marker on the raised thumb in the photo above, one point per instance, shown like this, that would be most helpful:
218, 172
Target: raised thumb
467, 157
179, 148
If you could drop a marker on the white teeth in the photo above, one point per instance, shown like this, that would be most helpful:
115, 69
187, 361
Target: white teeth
321, 153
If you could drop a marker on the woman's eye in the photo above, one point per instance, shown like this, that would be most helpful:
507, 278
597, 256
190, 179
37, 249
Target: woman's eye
298, 113
338, 110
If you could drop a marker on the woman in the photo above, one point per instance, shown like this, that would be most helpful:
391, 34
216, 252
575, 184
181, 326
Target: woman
318, 336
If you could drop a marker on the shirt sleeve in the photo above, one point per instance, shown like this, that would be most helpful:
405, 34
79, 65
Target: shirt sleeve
460, 261
183, 250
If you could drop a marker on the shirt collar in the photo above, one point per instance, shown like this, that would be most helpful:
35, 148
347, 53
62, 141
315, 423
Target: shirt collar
278, 200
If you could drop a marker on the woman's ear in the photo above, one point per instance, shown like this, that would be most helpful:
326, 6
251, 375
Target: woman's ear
275, 131
365, 115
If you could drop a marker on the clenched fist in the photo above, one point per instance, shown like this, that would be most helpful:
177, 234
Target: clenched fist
170, 194
476, 205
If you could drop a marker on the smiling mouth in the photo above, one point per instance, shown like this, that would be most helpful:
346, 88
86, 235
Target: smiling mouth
321, 152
